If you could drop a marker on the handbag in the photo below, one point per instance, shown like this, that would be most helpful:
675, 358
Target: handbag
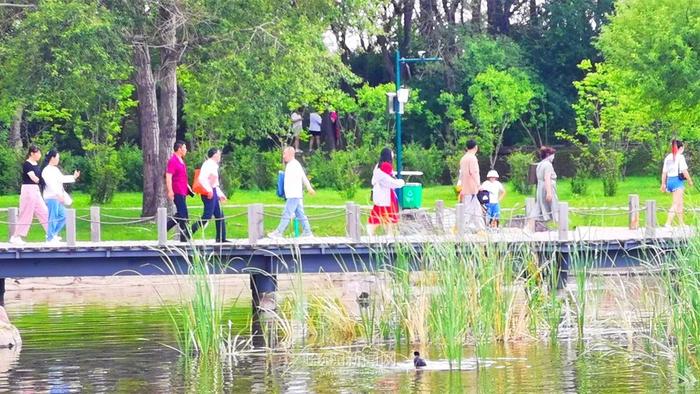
681, 175
280, 184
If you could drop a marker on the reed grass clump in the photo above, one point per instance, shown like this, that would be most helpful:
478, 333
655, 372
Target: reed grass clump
198, 318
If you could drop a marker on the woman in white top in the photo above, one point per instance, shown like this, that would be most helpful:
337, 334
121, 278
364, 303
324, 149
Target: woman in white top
385, 211
55, 196
673, 177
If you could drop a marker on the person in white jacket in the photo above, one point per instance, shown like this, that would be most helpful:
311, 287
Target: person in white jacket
294, 181
55, 195
385, 212
209, 179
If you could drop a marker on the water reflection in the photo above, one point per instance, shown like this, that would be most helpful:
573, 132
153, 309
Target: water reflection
123, 349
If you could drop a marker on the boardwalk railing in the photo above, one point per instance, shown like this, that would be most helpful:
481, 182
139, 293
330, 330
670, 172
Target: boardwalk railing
439, 220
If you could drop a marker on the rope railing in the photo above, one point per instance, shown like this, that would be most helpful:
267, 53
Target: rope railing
437, 219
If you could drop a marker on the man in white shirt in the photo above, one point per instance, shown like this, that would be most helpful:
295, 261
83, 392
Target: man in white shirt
315, 121
294, 181
209, 179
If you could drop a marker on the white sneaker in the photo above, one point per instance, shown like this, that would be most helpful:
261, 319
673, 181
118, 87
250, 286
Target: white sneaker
309, 234
58, 237
54, 241
17, 240
275, 234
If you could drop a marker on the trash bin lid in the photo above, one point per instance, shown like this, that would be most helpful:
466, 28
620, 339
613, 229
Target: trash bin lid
412, 184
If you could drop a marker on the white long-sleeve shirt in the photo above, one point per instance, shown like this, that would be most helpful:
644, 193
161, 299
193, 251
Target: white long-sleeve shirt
294, 180
382, 185
54, 180
209, 177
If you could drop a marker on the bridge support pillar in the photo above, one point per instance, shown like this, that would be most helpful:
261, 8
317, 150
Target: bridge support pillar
264, 287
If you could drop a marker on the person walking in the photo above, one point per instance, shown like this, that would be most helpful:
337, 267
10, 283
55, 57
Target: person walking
55, 195
328, 131
673, 177
177, 185
315, 130
297, 120
30, 201
470, 182
212, 196
294, 181
385, 211
496, 193
546, 199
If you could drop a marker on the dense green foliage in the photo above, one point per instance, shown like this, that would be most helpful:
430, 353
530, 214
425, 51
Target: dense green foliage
519, 163
609, 78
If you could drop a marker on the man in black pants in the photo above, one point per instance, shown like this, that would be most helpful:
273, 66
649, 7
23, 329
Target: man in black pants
209, 181
178, 188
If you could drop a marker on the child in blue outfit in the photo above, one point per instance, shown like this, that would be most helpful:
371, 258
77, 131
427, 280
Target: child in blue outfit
496, 194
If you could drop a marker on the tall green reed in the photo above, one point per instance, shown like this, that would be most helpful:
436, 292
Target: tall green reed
198, 317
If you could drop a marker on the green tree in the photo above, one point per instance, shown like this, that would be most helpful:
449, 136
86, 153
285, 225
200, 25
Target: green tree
68, 66
653, 47
499, 98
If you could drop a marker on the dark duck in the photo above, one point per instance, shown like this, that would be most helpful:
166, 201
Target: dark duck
417, 361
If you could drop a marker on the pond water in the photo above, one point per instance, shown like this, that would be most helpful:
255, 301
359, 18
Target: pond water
86, 346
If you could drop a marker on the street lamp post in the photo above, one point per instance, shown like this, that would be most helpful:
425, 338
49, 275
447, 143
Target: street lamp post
399, 62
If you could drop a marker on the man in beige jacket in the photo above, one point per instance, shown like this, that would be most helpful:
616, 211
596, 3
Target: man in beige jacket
470, 180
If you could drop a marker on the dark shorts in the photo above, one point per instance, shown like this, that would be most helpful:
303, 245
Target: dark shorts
315, 133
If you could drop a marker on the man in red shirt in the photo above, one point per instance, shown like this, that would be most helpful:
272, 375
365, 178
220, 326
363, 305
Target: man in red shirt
178, 188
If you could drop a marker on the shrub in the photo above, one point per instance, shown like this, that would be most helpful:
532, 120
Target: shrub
106, 173
519, 163
609, 162
430, 161
131, 159
11, 174
452, 162
340, 170
71, 162
320, 170
345, 167
579, 182
248, 168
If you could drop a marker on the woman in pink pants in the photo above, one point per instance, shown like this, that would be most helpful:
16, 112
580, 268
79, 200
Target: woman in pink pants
30, 201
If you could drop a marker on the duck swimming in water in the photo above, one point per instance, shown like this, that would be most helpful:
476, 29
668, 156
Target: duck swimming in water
417, 361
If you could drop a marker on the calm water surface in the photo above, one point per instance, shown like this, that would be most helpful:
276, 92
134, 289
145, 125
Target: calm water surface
92, 348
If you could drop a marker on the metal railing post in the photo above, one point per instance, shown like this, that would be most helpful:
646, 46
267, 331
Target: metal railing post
162, 225
70, 227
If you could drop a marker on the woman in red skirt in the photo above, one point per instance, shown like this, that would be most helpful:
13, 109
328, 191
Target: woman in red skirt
385, 212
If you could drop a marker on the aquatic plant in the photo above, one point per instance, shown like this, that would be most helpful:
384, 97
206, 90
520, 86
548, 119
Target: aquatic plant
451, 300
198, 318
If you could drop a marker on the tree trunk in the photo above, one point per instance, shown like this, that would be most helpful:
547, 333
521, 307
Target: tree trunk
498, 13
15, 137
167, 111
476, 15
153, 178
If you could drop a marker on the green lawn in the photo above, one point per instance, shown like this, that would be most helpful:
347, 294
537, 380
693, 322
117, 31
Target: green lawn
327, 221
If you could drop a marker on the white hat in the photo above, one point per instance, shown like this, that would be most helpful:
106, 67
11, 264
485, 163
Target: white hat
492, 174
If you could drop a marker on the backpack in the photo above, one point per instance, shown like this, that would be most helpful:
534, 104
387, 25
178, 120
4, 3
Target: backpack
483, 197
280, 184
196, 186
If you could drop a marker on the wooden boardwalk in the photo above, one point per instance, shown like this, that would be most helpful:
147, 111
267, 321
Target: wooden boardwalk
581, 235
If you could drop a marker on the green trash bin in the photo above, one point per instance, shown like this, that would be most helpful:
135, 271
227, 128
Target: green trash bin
412, 195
